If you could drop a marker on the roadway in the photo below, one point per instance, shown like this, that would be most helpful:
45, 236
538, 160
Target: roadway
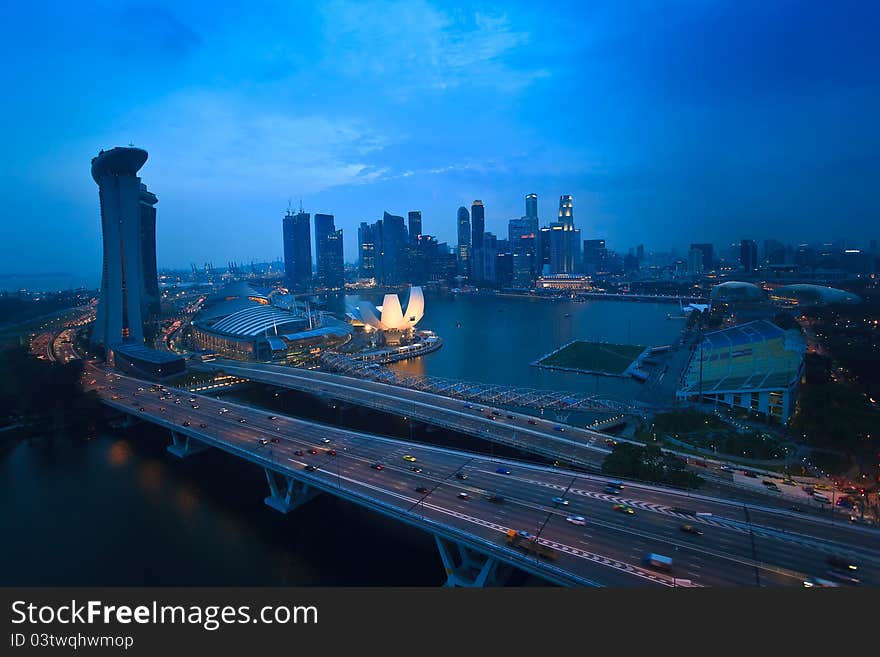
573, 445
770, 547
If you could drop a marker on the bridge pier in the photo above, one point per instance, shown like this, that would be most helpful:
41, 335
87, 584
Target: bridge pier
287, 493
466, 567
183, 445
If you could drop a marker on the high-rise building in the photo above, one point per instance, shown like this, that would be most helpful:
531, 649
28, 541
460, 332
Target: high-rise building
297, 238
532, 211
367, 250
595, 255
774, 252
414, 219
478, 229
566, 211
393, 241
640, 252
708, 252
328, 252
748, 255
696, 258
464, 241
122, 304
490, 255
148, 202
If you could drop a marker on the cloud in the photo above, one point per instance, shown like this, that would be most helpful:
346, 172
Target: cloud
216, 141
156, 27
420, 47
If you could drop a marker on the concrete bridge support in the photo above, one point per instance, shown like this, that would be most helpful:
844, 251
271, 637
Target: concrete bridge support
183, 445
287, 493
466, 567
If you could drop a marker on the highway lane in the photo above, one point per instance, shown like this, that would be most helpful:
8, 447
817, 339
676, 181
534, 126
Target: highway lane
528, 505
582, 447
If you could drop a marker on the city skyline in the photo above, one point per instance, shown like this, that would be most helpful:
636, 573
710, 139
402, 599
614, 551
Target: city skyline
744, 141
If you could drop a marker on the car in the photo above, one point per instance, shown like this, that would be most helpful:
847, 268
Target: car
242, 420
533, 422
162, 409
192, 399
298, 452
377, 466
610, 442
576, 520
224, 410
492, 417
325, 441
416, 468
313, 451
195, 407
690, 529
411, 459
186, 423
558, 427
502, 471
176, 401
464, 496
615, 484
844, 576
510, 417
273, 417
496, 412
331, 452
497, 499
789, 482
422, 489
310, 468
750, 474
276, 440
264, 441
559, 500
612, 490
202, 425
461, 475
140, 389
725, 468
522, 533
468, 405
811, 582
623, 508
841, 562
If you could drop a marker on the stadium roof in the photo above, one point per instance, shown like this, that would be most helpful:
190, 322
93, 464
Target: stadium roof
736, 291
754, 356
254, 320
807, 293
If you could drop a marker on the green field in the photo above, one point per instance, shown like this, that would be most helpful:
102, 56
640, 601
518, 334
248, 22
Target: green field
594, 357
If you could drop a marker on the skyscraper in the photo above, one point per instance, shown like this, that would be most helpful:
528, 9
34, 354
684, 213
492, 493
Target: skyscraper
328, 252
414, 219
297, 239
748, 254
464, 241
490, 255
566, 211
393, 241
121, 305
148, 201
367, 250
478, 229
532, 211
708, 252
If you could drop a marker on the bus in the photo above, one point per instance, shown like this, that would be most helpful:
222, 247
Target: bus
658, 561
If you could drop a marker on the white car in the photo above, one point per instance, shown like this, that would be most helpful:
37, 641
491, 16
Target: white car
576, 520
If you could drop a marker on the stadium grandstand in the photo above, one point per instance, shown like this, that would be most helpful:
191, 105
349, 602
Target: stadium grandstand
756, 366
249, 323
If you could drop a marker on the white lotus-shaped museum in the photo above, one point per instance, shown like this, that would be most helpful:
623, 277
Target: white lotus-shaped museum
390, 316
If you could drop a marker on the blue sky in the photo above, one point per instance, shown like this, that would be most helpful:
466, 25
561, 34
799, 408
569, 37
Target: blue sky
669, 122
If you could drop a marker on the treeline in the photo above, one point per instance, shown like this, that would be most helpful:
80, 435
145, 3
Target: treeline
44, 396
651, 464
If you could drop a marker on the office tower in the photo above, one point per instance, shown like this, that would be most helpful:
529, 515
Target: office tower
478, 229
297, 237
328, 252
595, 255
532, 212
708, 256
393, 234
566, 211
516, 228
367, 250
151, 296
774, 252
543, 256
490, 255
464, 241
559, 248
414, 219
121, 305
748, 255
640, 252
696, 258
